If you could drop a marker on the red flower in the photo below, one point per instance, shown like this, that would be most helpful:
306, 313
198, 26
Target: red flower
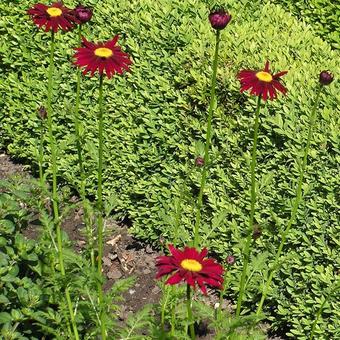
102, 56
262, 83
191, 266
52, 17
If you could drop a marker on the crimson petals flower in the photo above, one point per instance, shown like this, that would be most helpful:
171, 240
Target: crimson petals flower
106, 56
262, 83
191, 266
52, 17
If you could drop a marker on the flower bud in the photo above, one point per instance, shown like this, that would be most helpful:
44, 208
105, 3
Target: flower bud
230, 259
257, 232
199, 161
326, 77
219, 19
83, 14
42, 112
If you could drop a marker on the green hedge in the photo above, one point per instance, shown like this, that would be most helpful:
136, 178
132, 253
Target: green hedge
155, 123
323, 15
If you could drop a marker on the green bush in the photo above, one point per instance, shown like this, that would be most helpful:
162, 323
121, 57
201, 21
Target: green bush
156, 120
323, 15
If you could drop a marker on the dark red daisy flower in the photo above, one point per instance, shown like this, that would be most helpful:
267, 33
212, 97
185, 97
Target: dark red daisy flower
191, 266
102, 56
262, 83
52, 17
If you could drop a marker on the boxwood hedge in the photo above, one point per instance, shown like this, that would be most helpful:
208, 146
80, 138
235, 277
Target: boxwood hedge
155, 123
323, 15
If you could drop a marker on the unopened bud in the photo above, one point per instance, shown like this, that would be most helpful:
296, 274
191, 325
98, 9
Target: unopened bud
83, 14
219, 19
42, 112
257, 232
199, 161
326, 78
230, 259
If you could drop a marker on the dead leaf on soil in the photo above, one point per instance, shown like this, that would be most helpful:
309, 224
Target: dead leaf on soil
113, 241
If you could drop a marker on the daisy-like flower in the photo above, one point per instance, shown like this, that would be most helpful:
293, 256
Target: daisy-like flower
191, 266
262, 83
106, 56
52, 17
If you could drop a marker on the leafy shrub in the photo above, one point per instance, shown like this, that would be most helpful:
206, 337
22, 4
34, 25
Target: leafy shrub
155, 120
323, 15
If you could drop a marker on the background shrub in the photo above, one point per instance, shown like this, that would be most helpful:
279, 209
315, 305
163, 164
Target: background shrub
155, 125
323, 15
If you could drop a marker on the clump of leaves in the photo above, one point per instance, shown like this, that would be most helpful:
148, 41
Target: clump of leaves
31, 286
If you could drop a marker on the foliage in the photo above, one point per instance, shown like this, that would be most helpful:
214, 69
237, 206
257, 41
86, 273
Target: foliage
31, 286
155, 121
323, 15
20, 296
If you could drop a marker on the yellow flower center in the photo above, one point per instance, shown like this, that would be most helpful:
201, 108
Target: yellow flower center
191, 265
103, 52
264, 76
54, 12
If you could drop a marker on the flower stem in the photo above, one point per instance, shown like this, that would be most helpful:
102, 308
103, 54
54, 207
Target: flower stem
335, 287
56, 218
166, 295
317, 318
41, 153
212, 106
100, 207
222, 293
296, 203
79, 142
189, 310
173, 321
247, 249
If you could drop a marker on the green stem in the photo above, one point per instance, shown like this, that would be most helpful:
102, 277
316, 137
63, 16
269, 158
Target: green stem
317, 318
166, 295
189, 310
335, 287
173, 322
41, 153
212, 106
247, 249
79, 141
56, 218
296, 203
222, 293
100, 207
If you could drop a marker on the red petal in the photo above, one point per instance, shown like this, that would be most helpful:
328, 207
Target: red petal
266, 67
111, 44
164, 270
280, 74
203, 253
175, 252
279, 86
172, 280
